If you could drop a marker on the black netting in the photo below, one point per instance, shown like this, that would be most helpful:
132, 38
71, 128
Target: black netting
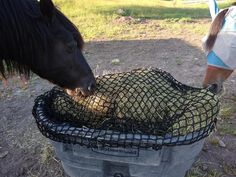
141, 108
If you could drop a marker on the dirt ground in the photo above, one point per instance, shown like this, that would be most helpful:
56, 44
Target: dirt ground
24, 152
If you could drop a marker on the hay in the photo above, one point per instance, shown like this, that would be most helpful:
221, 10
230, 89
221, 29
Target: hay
144, 101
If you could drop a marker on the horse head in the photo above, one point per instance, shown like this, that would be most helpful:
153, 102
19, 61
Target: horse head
46, 42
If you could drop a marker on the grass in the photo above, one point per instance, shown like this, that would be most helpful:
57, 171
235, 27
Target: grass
229, 169
214, 141
199, 171
227, 110
47, 154
227, 128
47, 158
106, 19
227, 124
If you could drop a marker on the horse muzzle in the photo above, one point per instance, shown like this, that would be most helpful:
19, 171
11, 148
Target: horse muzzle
83, 91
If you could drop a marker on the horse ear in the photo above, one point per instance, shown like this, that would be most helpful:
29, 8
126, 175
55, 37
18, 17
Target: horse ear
47, 8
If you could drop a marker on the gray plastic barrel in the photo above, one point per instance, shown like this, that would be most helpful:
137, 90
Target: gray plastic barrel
170, 161
108, 146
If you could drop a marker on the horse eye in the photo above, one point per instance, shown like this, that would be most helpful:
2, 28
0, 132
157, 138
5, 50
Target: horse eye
71, 46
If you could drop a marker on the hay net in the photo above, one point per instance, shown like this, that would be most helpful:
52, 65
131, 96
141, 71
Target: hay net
141, 108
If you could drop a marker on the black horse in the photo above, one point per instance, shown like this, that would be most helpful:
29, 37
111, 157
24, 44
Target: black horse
36, 36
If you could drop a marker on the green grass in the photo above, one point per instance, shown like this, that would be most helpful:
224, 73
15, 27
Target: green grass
101, 19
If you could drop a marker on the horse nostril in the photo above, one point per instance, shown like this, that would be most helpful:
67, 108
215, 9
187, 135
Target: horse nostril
92, 87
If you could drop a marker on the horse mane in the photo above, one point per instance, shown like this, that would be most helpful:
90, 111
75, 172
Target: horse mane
23, 35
